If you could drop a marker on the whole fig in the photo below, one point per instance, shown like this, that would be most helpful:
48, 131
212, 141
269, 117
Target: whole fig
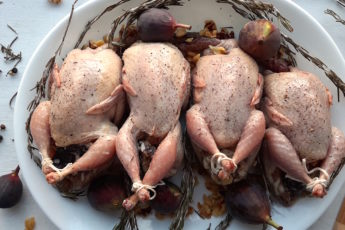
260, 39
167, 199
11, 189
248, 201
157, 25
106, 193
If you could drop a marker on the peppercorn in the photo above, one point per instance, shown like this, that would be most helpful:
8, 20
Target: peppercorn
1, 138
2, 126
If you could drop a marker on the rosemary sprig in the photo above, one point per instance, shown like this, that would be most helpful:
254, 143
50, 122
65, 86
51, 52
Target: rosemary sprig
128, 219
341, 2
10, 55
335, 16
12, 99
7, 50
258, 9
11, 28
224, 224
317, 62
187, 186
95, 19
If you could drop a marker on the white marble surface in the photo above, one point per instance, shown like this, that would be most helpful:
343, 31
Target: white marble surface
32, 20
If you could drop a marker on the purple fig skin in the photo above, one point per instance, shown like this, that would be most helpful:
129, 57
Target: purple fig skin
157, 25
260, 39
106, 193
167, 199
248, 202
11, 189
276, 65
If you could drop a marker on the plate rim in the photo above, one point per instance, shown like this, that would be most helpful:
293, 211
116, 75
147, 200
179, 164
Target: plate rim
63, 22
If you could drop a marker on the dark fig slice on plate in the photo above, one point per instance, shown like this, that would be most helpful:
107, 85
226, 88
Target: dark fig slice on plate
248, 201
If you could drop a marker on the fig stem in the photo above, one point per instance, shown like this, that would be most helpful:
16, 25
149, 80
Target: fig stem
16, 171
188, 27
273, 224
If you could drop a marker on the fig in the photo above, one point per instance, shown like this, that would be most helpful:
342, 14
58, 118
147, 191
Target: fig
157, 25
11, 189
106, 193
167, 199
276, 65
248, 201
260, 39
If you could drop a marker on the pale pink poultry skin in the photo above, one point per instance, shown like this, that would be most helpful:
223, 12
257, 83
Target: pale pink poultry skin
223, 118
297, 108
86, 78
156, 79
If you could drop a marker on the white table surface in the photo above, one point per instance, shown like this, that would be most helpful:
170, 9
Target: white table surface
32, 19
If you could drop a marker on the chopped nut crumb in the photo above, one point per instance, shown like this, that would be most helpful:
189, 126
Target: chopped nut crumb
210, 25
218, 49
159, 216
55, 1
213, 204
180, 32
191, 54
190, 211
95, 44
196, 58
189, 40
30, 223
106, 38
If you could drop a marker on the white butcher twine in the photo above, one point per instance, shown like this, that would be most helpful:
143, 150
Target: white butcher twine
218, 157
137, 186
46, 161
316, 180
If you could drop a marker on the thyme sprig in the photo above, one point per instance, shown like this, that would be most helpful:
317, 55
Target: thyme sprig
335, 16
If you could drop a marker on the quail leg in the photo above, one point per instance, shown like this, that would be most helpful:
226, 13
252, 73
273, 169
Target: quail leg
40, 131
99, 154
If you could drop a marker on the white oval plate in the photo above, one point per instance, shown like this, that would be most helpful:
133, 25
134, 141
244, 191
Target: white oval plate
67, 214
